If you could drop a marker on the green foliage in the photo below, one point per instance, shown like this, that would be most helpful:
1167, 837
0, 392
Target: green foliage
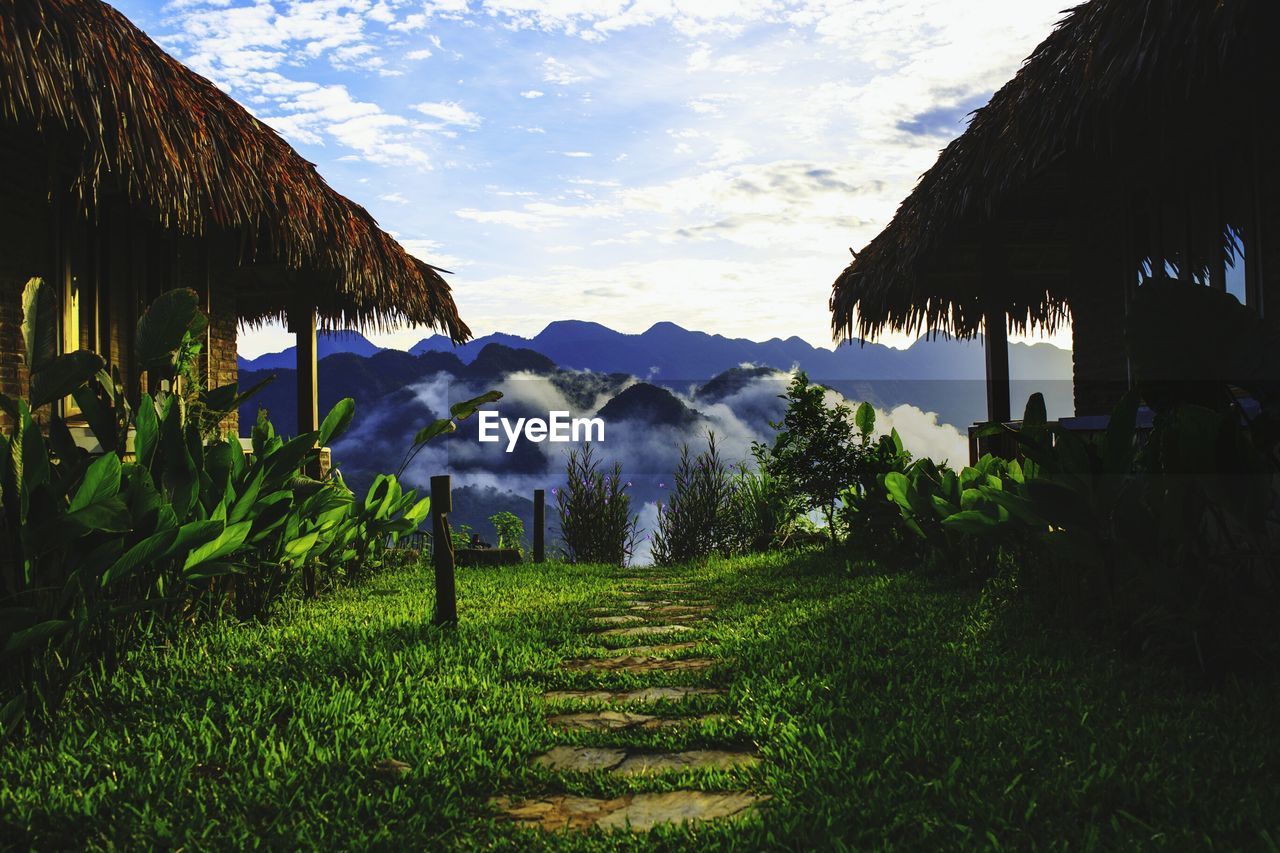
461, 536
170, 526
815, 452
761, 514
510, 531
694, 521
594, 509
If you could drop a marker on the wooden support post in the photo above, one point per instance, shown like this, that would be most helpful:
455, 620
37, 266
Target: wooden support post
442, 552
539, 522
302, 322
996, 344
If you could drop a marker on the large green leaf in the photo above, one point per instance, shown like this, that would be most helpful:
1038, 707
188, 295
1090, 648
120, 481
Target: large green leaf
164, 326
37, 635
101, 481
336, 422
433, 429
39, 324
149, 551
110, 515
467, 408
231, 538
146, 432
62, 375
865, 418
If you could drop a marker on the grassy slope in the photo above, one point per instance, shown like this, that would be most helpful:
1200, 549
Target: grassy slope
889, 711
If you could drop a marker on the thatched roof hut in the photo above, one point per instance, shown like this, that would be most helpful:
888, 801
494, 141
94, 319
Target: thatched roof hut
120, 116
1136, 139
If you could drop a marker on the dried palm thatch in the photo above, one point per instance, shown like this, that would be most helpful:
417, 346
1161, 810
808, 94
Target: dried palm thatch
127, 117
1124, 93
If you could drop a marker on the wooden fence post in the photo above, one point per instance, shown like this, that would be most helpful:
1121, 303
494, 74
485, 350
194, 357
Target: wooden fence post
539, 522
442, 552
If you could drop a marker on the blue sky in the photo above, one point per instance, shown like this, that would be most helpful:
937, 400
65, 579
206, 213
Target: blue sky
627, 161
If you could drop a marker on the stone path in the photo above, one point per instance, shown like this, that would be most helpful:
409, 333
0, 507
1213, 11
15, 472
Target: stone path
656, 607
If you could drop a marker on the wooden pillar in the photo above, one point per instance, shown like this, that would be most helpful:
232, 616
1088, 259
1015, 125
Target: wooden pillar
539, 522
996, 345
302, 322
442, 552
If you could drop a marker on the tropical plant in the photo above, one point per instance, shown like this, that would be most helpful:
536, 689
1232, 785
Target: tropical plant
594, 509
867, 520
510, 531
171, 523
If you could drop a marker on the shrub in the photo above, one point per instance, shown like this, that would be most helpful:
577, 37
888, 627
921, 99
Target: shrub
814, 454
594, 509
694, 522
761, 513
179, 528
510, 531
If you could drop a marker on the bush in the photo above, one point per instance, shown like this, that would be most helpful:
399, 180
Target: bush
594, 509
694, 522
1172, 536
815, 453
761, 514
173, 524
510, 531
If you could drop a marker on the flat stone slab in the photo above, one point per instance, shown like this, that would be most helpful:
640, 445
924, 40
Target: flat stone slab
625, 619
645, 630
637, 812
617, 720
620, 762
681, 609
660, 649
634, 663
626, 697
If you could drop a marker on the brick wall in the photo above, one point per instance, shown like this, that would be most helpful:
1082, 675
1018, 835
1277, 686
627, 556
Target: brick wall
222, 346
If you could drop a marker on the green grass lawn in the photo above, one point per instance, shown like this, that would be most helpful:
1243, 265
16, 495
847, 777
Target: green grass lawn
889, 711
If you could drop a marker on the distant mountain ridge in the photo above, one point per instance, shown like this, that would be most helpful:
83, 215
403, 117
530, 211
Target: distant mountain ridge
669, 352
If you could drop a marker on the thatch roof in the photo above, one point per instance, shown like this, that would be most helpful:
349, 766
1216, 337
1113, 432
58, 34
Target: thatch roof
130, 118
1122, 97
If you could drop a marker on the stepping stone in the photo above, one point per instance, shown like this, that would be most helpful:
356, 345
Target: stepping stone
644, 630
637, 812
620, 762
615, 720
652, 763
624, 697
581, 759
665, 648
632, 663
682, 609
627, 619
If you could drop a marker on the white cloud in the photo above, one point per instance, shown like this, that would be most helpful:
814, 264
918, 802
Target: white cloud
394, 198
555, 71
448, 113
531, 94
415, 55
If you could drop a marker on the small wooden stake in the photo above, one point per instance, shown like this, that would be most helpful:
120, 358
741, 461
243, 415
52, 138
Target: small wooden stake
442, 552
539, 521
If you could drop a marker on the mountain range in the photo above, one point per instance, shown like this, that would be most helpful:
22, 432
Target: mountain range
654, 391
669, 352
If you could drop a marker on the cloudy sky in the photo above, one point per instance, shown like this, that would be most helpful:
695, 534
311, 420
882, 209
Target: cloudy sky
708, 162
